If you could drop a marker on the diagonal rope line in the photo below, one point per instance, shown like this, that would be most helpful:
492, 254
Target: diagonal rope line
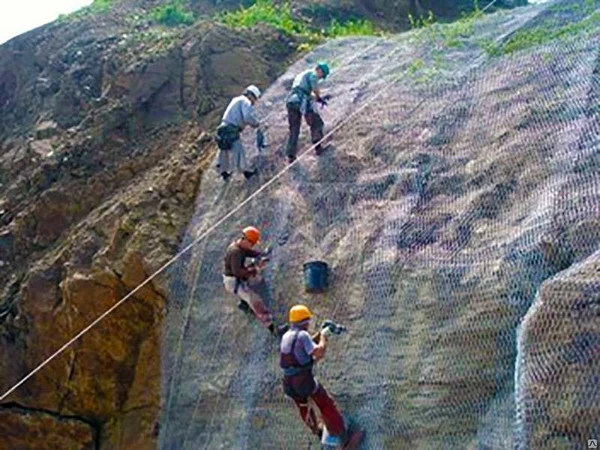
193, 243
202, 236
346, 62
336, 305
301, 155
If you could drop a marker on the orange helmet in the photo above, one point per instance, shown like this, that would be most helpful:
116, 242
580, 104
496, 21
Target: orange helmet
299, 313
252, 234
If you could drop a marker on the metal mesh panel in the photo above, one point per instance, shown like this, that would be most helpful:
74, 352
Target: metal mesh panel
459, 215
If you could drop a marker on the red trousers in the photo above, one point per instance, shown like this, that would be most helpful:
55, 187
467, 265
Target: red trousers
329, 412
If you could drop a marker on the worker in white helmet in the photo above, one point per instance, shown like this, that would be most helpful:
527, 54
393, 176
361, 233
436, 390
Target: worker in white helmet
238, 115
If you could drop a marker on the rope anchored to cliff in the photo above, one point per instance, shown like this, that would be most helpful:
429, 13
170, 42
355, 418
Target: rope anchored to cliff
187, 248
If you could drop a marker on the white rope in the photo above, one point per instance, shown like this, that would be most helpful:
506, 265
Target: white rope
345, 63
188, 247
193, 243
300, 156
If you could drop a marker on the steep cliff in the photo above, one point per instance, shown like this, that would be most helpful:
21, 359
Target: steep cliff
458, 211
102, 148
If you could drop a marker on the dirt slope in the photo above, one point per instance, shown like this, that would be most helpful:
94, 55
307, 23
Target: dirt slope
458, 211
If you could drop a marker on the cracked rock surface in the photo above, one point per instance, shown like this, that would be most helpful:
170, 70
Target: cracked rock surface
102, 147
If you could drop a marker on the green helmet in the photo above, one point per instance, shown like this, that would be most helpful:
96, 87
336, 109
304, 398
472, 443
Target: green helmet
325, 68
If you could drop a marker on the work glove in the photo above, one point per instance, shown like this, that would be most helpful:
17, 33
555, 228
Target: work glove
324, 100
261, 141
330, 327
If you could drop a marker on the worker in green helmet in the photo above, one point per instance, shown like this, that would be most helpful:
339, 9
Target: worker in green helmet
300, 102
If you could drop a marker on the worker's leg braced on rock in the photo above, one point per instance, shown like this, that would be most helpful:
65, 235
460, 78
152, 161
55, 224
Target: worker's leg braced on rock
239, 156
332, 418
254, 301
294, 122
223, 162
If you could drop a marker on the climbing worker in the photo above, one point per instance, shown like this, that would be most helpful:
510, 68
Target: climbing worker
238, 115
300, 103
298, 353
236, 275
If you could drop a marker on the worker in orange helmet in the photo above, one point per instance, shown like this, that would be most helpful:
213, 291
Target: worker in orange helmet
237, 274
298, 353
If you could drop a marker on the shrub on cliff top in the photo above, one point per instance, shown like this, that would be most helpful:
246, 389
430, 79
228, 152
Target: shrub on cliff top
280, 16
264, 11
172, 14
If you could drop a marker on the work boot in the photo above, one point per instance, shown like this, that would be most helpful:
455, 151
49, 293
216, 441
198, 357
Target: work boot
352, 437
225, 175
320, 149
244, 306
250, 173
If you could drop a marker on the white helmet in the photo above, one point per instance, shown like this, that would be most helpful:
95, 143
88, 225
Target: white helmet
253, 90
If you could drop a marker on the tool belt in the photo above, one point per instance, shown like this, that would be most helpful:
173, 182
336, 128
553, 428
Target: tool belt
299, 91
227, 135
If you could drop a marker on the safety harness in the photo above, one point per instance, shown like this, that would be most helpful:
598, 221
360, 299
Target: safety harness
290, 365
303, 97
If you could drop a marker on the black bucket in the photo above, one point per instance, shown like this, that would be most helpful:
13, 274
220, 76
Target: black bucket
315, 276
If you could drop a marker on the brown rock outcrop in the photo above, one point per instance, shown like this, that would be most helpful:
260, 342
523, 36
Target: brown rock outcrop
23, 429
101, 154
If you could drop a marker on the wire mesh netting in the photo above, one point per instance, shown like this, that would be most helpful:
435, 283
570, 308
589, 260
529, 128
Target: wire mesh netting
458, 209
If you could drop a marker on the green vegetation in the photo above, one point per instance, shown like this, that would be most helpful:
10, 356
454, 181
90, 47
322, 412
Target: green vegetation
417, 65
173, 14
264, 11
541, 35
280, 16
420, 72
420, 21
452, 34
351, 28
97, 7
588, 7
101, 5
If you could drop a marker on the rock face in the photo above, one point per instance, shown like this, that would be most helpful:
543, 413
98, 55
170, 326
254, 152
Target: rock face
559, 363
435, 218
21, 429
458, 212
102, 148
